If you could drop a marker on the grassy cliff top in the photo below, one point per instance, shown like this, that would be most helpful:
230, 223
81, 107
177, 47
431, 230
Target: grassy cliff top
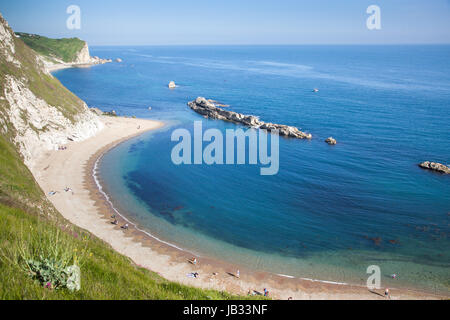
65, 49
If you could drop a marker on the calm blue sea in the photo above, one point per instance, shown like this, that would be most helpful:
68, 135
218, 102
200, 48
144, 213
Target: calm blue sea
331, 211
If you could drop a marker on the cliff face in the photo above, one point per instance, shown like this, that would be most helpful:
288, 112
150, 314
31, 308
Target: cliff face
84, 55
37, 113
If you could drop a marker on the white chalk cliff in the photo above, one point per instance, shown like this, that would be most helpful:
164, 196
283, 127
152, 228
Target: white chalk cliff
37, 113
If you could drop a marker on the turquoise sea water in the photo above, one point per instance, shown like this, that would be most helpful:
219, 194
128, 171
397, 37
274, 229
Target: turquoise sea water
331, 211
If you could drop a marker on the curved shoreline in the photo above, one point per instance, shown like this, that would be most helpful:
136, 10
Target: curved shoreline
88, 208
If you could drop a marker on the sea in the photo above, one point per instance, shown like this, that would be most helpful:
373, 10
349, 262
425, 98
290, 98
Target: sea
331, 212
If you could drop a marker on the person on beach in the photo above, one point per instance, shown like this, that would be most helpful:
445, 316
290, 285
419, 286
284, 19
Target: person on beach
115, 222
238, 274
266, 292
194, 261
386, 293
193, 275
125, 226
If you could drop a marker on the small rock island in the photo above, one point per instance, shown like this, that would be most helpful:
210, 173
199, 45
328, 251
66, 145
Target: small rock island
331, 141
209, 110
434, 166
172, 85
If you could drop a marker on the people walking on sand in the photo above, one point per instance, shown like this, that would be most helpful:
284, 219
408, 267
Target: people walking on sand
266, 292
193, 261
387, 294
125, 226
115, 222
238, 274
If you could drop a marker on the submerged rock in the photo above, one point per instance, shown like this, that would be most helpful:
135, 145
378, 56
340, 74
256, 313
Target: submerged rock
331, 141
209, 110
438, 167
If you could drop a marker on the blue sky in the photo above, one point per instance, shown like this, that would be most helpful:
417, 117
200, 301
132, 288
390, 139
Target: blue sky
149, 22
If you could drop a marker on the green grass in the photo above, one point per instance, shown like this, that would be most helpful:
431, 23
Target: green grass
104, 275
28, 221
63, 49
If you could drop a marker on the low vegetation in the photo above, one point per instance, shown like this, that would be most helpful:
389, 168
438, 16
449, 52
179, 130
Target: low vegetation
62, 49
37, 245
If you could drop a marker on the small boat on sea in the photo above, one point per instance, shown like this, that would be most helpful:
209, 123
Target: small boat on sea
316, 90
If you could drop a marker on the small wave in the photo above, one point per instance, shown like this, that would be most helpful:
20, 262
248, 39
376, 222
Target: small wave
283, 65
326, 281
285, 276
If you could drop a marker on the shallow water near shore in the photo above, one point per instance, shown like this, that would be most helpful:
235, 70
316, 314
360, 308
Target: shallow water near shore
332, 210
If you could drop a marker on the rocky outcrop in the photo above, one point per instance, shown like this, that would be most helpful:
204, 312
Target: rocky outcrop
209, 110
172, 85
434, 166
83, 56
40, 126
331, 141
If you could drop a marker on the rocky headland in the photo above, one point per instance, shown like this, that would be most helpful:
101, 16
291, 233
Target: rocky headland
82, 60
208, 109
37, 113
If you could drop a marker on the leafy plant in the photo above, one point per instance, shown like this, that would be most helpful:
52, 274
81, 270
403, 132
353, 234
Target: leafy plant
52, 261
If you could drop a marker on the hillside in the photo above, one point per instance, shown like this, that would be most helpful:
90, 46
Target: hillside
37, 113
63, 49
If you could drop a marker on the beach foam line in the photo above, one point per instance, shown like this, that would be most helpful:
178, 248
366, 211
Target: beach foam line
100, 188
317, 280
285, 276
328, 282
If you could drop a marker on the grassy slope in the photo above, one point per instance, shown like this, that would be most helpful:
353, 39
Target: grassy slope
25, 213
63, 49
105, 275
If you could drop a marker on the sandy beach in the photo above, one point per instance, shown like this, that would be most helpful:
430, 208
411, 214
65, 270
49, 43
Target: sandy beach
88, 209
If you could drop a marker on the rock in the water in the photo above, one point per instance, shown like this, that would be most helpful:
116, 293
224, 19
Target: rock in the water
439, 167
209, 110
331, 141
172, 85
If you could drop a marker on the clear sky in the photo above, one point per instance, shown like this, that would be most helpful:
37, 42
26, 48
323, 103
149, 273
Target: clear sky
148, 22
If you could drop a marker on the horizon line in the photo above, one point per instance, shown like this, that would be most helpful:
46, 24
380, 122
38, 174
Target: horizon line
273, 44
